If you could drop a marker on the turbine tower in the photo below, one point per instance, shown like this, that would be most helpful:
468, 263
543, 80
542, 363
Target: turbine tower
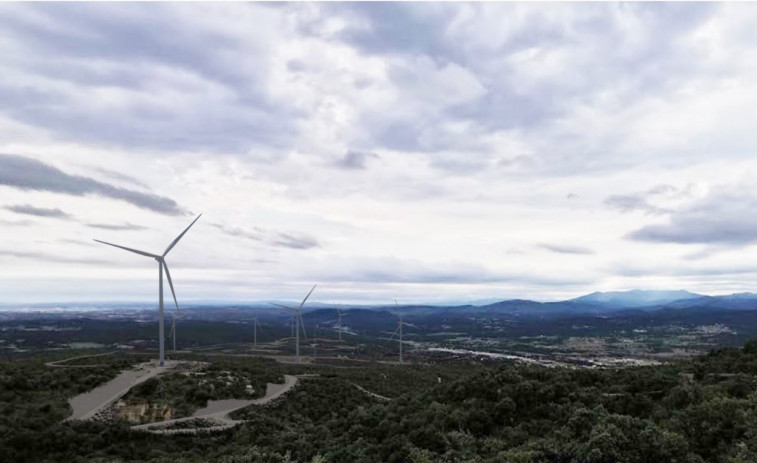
172, 334
161, 259
255, 326
315, 339
298, 321
339, 312
399, 327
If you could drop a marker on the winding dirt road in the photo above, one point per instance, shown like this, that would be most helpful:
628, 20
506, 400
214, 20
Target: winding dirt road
87, 405
218, 411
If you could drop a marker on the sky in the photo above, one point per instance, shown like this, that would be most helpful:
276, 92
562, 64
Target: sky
429, 152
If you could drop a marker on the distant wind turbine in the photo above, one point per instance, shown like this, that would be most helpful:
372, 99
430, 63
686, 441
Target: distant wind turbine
255, 326
399, 327
290, 320
161, 259
315, 339
339, 312
172, 334
298, 321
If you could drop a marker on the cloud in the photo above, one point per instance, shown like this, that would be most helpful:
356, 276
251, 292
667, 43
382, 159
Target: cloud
16, 223
29, 174
47, 257
405, 271
728, 216
630, 203
77, 242
357, 159
641, 201
239, 232
566, 249
119, 176
294, 241
124, 226
39, 211
151, 72
273, 238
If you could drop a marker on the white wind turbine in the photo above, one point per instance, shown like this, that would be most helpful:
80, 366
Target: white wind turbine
315, 340
399, 327
255, 326
298, 321
161, 259
172, 334
339, 312
290, 320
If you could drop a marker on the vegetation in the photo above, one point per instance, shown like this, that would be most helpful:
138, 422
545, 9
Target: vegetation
698, 410
225, 378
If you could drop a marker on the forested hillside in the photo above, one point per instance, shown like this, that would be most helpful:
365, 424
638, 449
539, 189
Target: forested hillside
702, 410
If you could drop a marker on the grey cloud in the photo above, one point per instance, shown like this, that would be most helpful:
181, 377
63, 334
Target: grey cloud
27, 209
47, 257
274, 238
566, 249
630, 203
683, 271
662, 190
725, 217
239, 232
357, 159
408, 272
640, 201
119, 176
142, 50
30, 174
123, 226
16, 223
294, 241
78, 242
453, 33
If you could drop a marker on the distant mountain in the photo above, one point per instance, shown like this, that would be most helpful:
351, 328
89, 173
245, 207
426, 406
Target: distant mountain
635, 298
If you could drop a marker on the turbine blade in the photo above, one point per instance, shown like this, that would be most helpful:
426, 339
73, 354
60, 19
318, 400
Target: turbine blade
302, 324
395, 332
173, 328
306, 297
136, 251
258, 323
283, 306
170, 284
173, 243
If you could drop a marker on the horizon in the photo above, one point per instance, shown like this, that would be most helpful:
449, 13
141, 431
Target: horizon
209, 303
424, 152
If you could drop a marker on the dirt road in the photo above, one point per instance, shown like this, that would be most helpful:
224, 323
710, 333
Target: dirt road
218, 411
87, 405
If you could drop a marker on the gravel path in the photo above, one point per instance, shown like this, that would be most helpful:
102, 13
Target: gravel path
57, 363
87, 405
380, 397
218, 411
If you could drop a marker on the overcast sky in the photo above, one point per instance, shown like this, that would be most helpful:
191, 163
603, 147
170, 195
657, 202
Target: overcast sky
430, 152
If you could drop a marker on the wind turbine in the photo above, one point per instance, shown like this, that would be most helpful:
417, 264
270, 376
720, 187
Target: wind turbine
399, 327
315, 339
255, 326
339, 312
172, 334
161, 259
290, 321
298, 321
